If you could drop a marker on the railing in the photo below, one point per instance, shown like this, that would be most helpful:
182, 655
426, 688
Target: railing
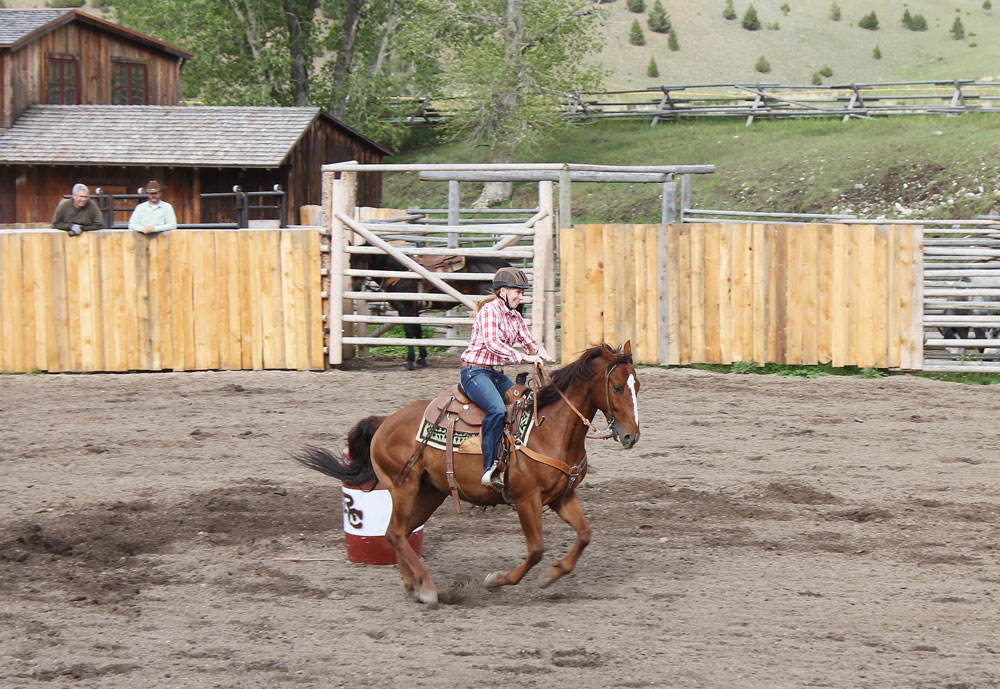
244, 203
856, 100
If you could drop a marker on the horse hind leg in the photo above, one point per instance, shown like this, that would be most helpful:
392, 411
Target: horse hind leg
411, 507
570, 511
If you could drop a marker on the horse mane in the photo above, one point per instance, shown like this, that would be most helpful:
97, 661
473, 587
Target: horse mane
580, 370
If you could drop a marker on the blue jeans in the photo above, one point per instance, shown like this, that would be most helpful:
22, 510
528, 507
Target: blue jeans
485, 387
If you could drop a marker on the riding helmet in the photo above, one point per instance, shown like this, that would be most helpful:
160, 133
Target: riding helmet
510, 277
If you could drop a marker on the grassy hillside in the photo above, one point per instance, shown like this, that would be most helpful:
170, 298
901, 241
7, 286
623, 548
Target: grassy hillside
714, 50
938, 167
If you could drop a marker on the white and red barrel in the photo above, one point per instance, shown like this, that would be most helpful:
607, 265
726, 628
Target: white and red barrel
366, 518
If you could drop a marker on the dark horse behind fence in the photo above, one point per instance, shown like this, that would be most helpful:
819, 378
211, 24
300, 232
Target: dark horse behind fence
544, 471
472, 264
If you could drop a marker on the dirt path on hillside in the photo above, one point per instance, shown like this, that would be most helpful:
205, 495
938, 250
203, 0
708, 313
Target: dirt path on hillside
765, 532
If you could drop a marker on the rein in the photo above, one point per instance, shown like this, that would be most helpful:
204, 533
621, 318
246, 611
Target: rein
539, 373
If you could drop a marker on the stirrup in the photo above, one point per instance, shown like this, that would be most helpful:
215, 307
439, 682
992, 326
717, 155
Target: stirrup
487, 479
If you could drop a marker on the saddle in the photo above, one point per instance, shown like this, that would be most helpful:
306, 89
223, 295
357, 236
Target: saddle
461, 420
441, 264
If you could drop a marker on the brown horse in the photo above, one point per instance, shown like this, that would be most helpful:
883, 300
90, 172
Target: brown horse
602, 378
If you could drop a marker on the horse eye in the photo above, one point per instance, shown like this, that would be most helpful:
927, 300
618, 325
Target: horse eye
618, 389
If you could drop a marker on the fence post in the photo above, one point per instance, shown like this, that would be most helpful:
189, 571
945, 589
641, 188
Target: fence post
565, 198
543, 305
668, 213
685, 196
335, 297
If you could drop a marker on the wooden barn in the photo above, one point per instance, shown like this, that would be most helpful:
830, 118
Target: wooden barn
85, 100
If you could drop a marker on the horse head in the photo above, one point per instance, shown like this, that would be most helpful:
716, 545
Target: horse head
618, 393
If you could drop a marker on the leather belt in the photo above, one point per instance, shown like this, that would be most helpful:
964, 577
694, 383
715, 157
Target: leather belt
495, 369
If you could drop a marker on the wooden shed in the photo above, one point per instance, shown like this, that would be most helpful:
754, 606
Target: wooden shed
190, 149
85, 100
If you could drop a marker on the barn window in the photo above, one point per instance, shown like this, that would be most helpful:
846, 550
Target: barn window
62, 81
128, 83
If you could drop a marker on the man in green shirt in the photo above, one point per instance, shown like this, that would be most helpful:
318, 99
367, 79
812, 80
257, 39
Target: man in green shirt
154, 215
79, 213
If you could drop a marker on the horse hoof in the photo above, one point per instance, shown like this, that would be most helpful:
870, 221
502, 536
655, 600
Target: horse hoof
428, 598
422, 362
490, 582
408, 365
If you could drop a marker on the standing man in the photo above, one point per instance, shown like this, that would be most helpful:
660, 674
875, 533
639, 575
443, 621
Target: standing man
79, 213
154, 215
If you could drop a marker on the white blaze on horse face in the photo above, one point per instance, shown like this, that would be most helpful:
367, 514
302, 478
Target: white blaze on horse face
635, 400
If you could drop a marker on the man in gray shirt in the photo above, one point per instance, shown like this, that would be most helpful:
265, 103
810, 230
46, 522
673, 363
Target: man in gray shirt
79, 213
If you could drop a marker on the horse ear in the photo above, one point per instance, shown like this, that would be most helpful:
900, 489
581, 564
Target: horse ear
627, 348
607, 351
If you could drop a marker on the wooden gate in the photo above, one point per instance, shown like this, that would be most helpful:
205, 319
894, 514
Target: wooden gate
724, 292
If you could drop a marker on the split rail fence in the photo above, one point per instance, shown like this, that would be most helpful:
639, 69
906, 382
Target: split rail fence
183, 300
725, 292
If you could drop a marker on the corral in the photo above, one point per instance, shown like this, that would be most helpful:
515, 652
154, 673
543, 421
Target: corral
765, 531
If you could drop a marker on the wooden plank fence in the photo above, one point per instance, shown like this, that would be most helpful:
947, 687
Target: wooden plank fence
725, 292
184, 300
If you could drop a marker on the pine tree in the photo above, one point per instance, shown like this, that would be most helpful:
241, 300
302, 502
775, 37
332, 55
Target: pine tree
729, 12
907, 19
658, 19
957, 30
817, 79
785, 9
750, 21
869, 21
672, 41
877, 54
637, 6
635, 36
762, 65
652, 70
918, 23
835, 12
826, 71
987, 5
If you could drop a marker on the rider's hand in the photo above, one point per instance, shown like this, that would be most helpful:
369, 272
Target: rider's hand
543, 355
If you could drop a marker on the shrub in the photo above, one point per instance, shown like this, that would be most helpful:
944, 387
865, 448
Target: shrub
637, 6
651, 69
785, 9
750, 20
957, 30
869, 21
826, 71
672, 41
658, 19
877, 54
918, 23
907, 18
987, 5
635, 36
762, 65
835, 12
817, 79
729, 12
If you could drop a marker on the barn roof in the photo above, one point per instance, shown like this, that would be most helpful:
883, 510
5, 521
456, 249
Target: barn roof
21, 26
199, 136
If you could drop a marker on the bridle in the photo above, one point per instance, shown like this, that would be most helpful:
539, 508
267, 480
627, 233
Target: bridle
539, 374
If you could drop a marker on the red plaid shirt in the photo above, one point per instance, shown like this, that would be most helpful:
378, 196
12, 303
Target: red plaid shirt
494, 330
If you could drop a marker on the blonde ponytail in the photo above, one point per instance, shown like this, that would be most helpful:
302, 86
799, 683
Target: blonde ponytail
483, 302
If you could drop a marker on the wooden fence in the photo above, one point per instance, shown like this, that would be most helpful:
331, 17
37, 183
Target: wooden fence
184, 300
725, 292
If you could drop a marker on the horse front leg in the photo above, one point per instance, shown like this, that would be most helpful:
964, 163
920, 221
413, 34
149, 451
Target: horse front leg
571, 512
529, 513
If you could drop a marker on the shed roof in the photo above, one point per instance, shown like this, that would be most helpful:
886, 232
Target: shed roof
21, 26
178, 135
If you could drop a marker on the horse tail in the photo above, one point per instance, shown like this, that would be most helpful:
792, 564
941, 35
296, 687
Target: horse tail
358, 471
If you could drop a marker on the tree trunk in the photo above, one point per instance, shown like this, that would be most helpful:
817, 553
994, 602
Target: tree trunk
496, 192
345, 56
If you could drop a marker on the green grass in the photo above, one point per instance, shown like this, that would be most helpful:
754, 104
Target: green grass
936, 167
714, 50
821, 370
393, 351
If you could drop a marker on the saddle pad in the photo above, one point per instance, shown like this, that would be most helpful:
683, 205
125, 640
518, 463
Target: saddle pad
436, 435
